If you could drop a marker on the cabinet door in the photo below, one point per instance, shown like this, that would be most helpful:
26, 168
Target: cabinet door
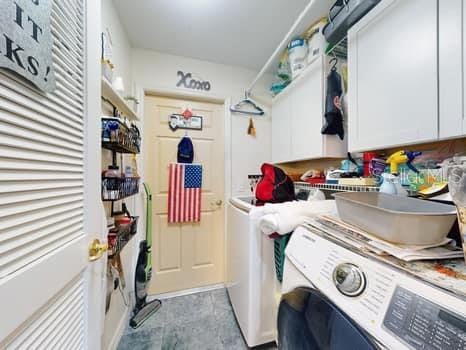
464, 64
393, 75
307, 100
281, 128
451, 88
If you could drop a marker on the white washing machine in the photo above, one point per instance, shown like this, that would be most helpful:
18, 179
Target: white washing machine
253, 289
337, 298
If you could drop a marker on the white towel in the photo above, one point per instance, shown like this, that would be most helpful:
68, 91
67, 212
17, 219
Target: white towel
283, 218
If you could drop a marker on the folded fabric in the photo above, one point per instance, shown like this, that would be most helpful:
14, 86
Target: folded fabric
283, 218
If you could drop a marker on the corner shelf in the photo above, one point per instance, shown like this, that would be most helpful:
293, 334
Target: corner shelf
109, 93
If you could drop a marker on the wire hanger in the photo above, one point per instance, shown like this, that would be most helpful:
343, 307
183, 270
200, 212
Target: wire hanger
334, 60
247, 101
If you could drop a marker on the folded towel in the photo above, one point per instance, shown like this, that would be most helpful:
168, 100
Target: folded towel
283, 218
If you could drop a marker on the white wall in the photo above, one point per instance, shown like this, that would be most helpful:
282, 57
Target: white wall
121, 47
116, 319
157, 72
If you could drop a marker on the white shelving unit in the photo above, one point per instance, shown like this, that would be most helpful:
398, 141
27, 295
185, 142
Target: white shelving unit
109, 93
315, 10
295, 82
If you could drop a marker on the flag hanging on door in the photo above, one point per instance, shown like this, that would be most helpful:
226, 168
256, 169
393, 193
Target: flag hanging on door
184, 193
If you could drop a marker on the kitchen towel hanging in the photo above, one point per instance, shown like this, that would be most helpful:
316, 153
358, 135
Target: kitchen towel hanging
184, 193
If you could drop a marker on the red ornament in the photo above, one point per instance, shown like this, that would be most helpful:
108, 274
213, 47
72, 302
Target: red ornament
187, 114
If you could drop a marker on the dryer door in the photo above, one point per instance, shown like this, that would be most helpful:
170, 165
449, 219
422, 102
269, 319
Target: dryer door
309, 321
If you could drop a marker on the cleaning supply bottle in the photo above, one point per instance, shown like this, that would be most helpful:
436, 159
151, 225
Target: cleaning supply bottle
395, 160
400, 190
402, 157
388, 186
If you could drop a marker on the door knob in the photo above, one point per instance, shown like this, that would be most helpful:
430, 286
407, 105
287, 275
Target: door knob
217, 203
97, 249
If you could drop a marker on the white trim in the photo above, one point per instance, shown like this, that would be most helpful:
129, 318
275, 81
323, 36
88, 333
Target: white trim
187, 292
93, 207
120, 330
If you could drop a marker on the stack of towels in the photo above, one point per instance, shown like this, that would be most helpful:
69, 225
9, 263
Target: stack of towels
283, 218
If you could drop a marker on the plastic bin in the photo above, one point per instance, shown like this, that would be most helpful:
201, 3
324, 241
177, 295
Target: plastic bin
279, 250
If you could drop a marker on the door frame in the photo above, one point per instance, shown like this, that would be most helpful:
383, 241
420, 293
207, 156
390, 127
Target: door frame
93, 207
227, 144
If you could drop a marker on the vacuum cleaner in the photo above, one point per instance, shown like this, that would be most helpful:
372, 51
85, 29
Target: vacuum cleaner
143, 308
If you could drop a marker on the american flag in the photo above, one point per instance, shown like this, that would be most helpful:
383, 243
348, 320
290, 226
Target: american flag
184, 193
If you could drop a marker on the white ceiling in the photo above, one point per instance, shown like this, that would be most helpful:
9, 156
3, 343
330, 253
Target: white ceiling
234, 32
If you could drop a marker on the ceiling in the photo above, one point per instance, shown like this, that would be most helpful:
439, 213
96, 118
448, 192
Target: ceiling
234, 32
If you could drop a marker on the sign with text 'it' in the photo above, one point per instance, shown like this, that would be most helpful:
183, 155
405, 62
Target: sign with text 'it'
26, 40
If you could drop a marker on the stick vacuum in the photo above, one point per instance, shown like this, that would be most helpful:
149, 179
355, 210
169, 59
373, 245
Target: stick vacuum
143, 308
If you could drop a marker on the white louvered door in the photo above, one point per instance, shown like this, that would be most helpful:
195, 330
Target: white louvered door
50, 294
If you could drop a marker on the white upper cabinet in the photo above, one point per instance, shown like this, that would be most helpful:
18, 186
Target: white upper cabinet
307, 98
298, 116
281, 129
451, 68
393, 76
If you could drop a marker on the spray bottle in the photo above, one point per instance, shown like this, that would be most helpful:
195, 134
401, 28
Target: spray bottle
395, 160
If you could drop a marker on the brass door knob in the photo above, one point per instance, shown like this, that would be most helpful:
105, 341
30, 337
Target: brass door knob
218, 203
97, 250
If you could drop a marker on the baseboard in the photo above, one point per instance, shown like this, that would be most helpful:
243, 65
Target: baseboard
119, 331
187, 292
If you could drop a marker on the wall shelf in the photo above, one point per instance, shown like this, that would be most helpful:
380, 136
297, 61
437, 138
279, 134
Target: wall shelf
123, 235
109, 93
117, 137
118, 188
306, 71
315, 10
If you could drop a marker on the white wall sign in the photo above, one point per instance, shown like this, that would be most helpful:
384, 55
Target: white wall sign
186, 79
178, 121
26, 40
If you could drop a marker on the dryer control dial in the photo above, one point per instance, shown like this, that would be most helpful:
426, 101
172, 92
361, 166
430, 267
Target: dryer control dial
349, 279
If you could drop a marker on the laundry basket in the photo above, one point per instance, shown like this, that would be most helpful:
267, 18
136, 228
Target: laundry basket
279, 250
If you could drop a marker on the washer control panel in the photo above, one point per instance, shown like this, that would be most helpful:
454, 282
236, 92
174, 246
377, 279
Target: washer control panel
423, 324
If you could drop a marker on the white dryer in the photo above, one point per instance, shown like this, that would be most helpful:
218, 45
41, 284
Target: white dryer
253, 289
336, 297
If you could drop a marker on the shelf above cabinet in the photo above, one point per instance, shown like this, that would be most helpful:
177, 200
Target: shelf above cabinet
306, 71
109, 93
315, 10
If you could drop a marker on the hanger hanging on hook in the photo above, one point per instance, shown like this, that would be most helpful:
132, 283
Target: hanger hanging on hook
237, 108
333, 62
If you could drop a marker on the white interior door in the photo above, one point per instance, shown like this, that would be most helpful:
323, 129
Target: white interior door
50, 295
186, 255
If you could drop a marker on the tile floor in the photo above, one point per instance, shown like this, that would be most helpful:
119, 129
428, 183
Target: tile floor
203, 321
